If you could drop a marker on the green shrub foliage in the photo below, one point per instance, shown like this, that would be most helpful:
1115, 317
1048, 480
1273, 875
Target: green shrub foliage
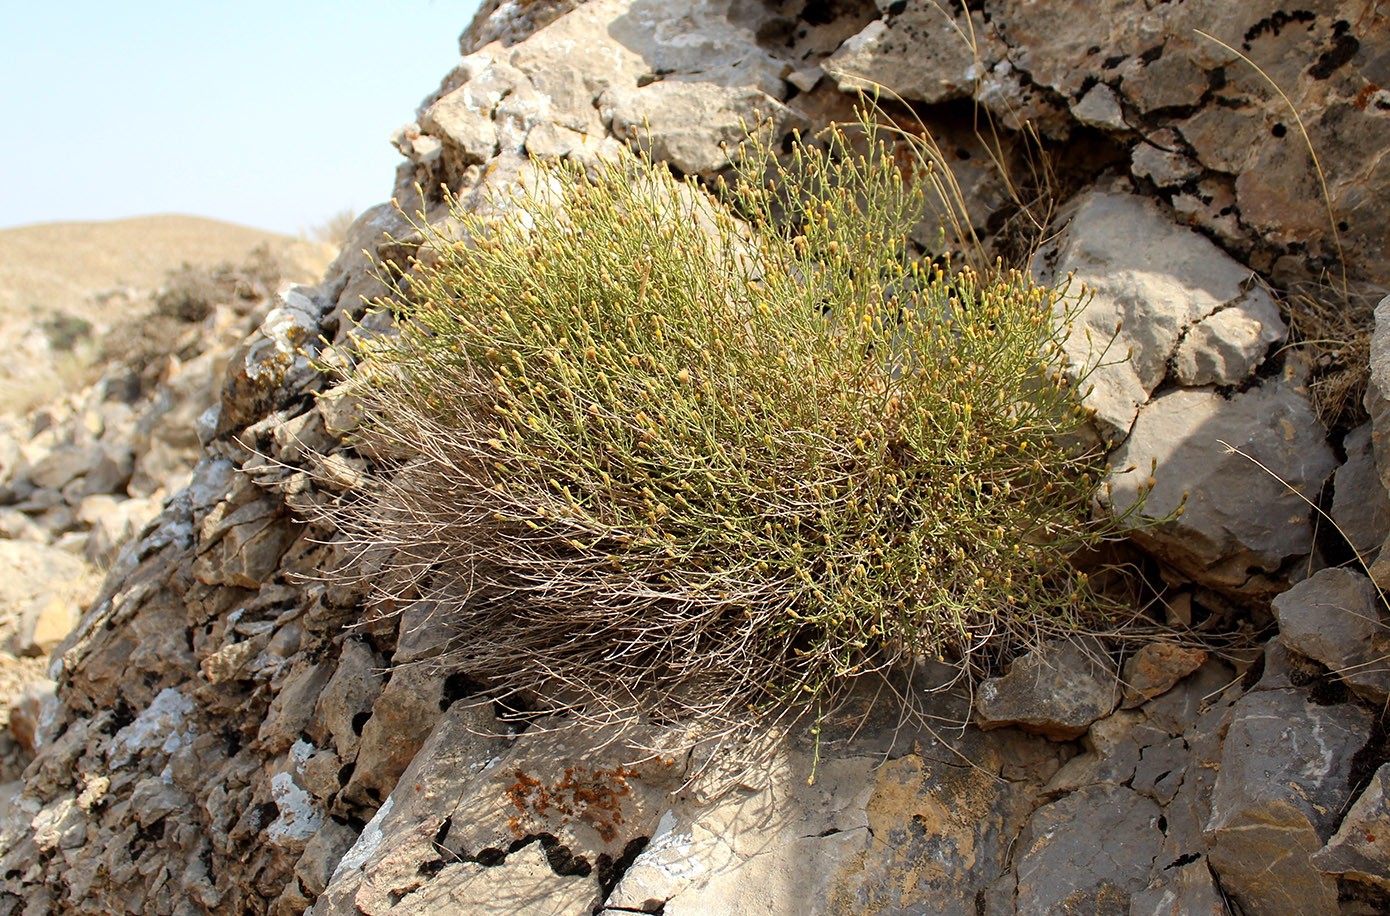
657, 455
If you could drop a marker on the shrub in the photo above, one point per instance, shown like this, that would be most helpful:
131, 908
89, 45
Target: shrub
65, 331
654, 455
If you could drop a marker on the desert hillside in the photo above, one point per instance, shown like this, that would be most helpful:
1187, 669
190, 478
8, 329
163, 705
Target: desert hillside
65, 284
60, 265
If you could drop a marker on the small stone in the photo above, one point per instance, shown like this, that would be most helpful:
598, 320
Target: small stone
1160, 159
1057, 691
1155, 669
806, 78
43, 625
1335, 617
1100, 107
35, 705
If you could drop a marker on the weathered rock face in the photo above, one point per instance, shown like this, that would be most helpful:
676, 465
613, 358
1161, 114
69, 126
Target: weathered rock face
237, 732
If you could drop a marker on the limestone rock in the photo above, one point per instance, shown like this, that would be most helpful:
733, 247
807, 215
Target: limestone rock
43, 591
1061, 866
1336, 616
35, 705
1378, 391
1187, 890
525, 882
1283, 778
1360, 850
1360, 503
234, 734
1151, 290
1240, 524
921, 52
1100, 107
1162, 159
1056, 691
695, 126
272, 362
1227, 345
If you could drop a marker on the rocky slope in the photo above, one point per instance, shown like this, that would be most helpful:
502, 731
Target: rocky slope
64, 286
234, 732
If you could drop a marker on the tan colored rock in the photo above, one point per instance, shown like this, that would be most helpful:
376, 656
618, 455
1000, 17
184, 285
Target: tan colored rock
43, 591
1155, 669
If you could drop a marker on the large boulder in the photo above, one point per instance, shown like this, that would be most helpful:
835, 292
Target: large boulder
1243, 471
1282, 783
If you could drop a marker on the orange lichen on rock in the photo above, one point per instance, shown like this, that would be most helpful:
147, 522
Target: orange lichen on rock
592, 797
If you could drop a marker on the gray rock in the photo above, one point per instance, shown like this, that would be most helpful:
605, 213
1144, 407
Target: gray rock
242, 544
1188, 890
1057, 691
1111, 756
1087, 852
402, 717
1360, 503
1143, 286
462, 119
1240, 524
922, 53
1160, 158
1100, 107
322, 854
1336, 617
346, 700
1225, 347
695, 126
524, 882
1377, 398
1360, 850
1282, 781
273, 361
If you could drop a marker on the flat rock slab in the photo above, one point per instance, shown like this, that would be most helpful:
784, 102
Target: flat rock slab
1056, 691
1089, 852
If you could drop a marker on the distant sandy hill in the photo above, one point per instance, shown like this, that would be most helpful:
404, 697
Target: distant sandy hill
53, 266
96, 275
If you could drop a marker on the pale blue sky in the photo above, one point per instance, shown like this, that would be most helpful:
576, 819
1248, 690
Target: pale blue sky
271, 114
